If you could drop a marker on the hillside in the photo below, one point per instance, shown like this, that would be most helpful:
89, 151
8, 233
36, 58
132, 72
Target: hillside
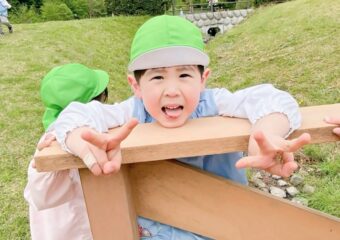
294, 45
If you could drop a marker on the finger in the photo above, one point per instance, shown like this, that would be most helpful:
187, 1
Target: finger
94, 138
43, 145
336, 131
296, 143
332, 119
91, 163
100, 155
287, 157
289, 164
49, 136
264, 145
285, 167
254, 162
122, 133
46, 142
284, 170
114, 163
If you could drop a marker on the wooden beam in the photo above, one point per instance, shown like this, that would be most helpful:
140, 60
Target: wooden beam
109, 205
179, 195
198, 137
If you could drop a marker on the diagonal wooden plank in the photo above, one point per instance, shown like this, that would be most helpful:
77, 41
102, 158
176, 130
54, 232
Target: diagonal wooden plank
198, 137
179, 195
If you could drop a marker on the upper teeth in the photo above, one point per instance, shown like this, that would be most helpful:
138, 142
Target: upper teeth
172, 107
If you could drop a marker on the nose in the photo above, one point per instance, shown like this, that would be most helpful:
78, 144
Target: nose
171, 91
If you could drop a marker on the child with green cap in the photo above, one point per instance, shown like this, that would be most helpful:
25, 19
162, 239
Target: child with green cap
55, 198
169, 70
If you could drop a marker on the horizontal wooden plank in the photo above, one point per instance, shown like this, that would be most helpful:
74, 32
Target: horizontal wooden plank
187, 198
151, 142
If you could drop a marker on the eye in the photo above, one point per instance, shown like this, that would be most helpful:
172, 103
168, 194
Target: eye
157, 78
184, 75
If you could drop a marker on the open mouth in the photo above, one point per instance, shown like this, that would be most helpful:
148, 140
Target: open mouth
173, 111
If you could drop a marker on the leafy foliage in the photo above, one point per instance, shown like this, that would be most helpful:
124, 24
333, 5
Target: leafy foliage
52, 11
97, 8
137, 7
24, 14
80, 8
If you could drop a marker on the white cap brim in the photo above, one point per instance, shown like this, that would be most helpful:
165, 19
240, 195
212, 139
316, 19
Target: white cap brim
169, 57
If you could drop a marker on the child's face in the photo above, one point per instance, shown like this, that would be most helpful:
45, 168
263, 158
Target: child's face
171, 94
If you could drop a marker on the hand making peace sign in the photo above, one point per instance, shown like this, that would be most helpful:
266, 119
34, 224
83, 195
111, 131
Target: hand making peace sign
274, 154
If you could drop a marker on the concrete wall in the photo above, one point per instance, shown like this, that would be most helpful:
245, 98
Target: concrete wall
224, 20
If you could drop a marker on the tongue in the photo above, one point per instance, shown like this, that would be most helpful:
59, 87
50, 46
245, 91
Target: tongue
173, 112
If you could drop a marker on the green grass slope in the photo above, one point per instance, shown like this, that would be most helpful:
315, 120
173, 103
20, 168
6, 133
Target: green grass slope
294, 45
26, 56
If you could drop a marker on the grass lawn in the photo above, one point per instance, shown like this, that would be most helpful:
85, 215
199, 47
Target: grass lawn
294, 46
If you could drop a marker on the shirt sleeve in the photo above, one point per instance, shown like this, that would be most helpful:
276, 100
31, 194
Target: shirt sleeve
50, 189
95, 115
256, 102
5, 4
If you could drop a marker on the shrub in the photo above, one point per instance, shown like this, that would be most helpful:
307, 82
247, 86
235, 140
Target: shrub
80, 8
242, 4
23, 14
137, 7
52, 11
97, 8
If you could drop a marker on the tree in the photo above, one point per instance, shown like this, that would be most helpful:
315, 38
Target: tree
51, 11
137, 7
80, 8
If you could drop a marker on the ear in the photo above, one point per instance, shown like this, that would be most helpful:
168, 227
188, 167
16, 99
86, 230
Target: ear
134, 86
205, 76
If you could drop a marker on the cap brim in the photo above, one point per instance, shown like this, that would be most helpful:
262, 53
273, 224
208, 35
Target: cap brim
169, 57
102, 83
50, 115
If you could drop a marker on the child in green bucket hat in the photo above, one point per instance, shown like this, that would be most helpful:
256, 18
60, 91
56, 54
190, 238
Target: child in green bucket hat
55, 199
168, 73
68, 83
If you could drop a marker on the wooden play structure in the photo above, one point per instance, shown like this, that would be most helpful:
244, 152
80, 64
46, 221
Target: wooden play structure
173, 193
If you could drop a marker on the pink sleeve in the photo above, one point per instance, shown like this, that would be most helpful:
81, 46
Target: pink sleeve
50, 189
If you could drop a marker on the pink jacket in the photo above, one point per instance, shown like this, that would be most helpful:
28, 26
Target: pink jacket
56, 205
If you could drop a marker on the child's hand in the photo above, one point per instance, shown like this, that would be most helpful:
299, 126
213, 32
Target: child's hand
334, 120
273, 153
104, 154
46, 142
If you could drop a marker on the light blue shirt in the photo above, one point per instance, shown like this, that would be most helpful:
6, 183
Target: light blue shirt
3, 9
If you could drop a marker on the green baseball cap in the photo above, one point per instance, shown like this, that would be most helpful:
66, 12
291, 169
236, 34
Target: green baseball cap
166, 41
67, 83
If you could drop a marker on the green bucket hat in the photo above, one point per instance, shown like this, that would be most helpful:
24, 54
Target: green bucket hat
67, 83
167, 41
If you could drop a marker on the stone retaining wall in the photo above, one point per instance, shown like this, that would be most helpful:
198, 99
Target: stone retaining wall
223, 20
